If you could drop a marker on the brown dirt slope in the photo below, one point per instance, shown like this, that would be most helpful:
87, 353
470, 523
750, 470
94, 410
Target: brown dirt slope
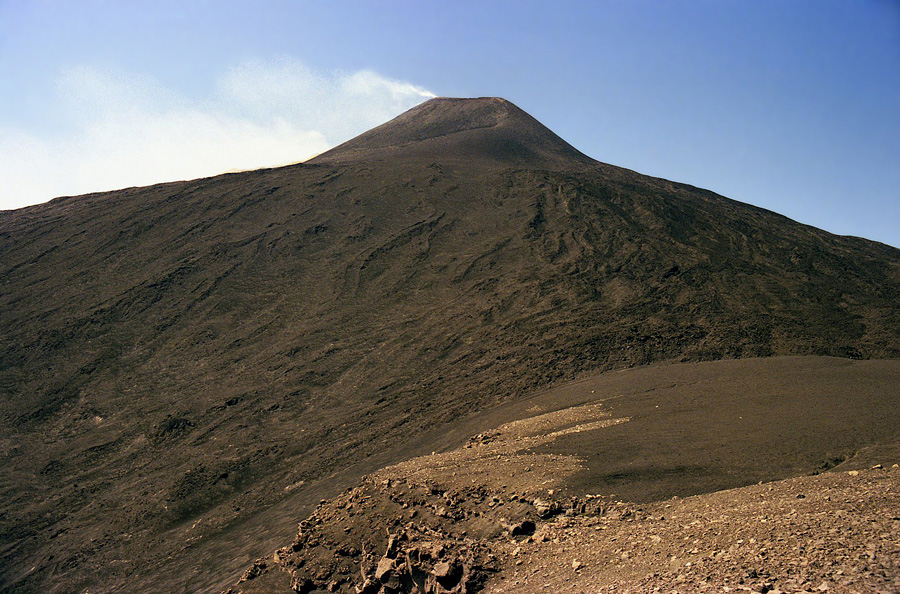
507, 513
185, 366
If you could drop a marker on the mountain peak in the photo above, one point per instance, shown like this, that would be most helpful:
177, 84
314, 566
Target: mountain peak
470, 128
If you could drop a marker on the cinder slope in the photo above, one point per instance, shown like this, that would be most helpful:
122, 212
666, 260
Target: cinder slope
529, 505
483, 131
185, 367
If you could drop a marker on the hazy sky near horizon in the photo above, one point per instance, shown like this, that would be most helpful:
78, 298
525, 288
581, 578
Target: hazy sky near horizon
791, 106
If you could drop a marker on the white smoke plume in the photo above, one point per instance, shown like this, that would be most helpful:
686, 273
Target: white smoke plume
127, 130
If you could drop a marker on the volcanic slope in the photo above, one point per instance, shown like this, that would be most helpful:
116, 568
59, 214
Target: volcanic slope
185, 368
569, 491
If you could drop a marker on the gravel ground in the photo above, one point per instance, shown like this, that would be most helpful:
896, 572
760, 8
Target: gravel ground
494, 516
835, 532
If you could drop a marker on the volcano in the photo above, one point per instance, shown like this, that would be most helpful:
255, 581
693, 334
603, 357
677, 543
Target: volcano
488, 130
188, 369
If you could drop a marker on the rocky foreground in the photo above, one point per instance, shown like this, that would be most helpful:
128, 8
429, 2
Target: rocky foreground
496, 516
838, 532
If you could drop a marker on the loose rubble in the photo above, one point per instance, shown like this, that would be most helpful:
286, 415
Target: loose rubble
495, 517
837, 532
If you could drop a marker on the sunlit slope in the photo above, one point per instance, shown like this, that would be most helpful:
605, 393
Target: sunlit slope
201, 351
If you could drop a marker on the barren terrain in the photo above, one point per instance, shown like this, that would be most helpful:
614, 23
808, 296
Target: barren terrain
187, 369
512, 510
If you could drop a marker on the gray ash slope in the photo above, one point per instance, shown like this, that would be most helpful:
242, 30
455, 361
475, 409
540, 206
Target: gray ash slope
185, 366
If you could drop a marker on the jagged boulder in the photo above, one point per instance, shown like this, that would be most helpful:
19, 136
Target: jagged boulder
411, 565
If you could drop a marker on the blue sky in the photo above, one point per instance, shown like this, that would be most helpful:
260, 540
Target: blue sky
789, 105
